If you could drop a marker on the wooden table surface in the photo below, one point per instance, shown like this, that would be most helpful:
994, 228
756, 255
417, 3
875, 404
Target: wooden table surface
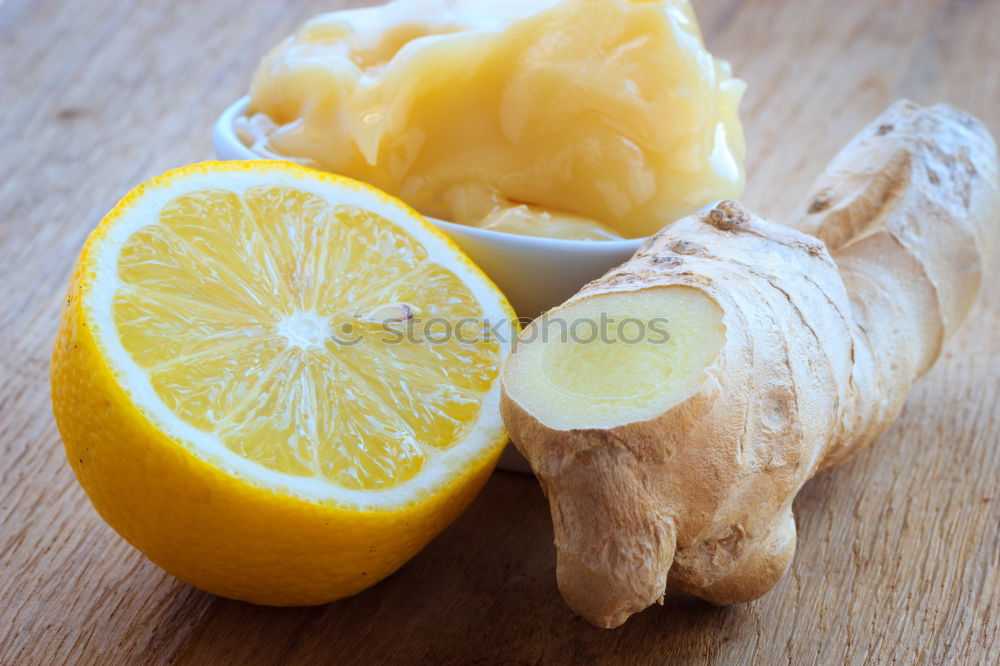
899, 550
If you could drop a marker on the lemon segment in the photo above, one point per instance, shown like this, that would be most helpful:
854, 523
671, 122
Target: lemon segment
255, 359
261, 335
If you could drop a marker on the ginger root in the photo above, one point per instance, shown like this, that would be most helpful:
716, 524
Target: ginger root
789, 348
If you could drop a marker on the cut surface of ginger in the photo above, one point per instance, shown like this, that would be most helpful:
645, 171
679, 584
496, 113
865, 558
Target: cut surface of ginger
615, 358
281, 324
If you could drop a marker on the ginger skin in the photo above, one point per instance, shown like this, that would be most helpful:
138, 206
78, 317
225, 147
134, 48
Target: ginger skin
828, 322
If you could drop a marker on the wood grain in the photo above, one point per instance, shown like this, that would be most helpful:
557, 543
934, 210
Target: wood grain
899, 550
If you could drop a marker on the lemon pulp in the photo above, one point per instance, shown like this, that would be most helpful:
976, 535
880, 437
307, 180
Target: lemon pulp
297, 332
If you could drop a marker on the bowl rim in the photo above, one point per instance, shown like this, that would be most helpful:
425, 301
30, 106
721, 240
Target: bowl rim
224, 133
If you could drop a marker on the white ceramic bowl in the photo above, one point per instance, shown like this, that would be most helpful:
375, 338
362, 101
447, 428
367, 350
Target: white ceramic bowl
534, 273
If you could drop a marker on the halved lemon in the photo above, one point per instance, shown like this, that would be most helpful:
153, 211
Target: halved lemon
277, 383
